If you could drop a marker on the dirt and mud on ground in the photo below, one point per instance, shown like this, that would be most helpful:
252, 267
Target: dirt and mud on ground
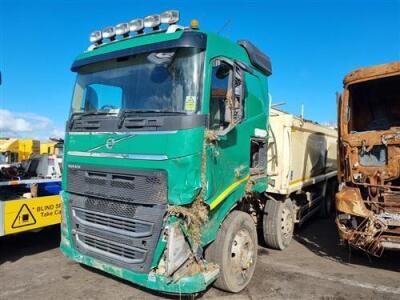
313, 267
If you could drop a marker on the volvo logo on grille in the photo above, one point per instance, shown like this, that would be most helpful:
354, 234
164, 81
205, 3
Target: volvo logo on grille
110, 143
74, 166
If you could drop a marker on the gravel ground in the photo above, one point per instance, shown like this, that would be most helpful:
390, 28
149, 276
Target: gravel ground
313, 267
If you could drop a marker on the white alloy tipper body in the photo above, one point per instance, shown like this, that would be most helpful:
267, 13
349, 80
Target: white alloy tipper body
302, 174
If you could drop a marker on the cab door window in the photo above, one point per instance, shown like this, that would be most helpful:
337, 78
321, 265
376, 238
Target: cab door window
227, 94
221, 82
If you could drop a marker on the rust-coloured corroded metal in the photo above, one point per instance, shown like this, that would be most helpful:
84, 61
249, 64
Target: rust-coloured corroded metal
349, 201
368, 203
373, 72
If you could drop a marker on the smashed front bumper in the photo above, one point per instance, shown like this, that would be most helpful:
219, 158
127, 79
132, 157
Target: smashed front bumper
186, 285
186, 279
363, 229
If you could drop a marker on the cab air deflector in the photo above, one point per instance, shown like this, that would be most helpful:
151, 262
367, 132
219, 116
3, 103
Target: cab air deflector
258, 59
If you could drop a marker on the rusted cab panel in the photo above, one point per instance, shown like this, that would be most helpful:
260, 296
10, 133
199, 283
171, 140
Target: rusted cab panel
369, 158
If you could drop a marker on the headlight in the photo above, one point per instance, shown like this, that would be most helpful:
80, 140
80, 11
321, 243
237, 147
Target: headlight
109, 33
170, 17
96, 37
136, 25
122, 29
152, 21
178, 250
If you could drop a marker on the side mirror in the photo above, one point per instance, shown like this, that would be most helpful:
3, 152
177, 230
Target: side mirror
222, 71
91, 99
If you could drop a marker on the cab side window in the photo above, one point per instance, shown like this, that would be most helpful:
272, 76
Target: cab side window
221, 83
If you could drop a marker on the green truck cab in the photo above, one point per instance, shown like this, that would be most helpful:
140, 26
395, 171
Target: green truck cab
164, 157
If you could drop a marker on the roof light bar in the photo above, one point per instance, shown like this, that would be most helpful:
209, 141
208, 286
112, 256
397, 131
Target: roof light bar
152, 21
136, 25
170, 17
96, 37
122, 29
109, 33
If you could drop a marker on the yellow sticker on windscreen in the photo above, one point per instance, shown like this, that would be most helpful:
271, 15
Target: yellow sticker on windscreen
190, 103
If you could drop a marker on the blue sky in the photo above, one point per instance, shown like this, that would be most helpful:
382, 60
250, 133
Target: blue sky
313, 44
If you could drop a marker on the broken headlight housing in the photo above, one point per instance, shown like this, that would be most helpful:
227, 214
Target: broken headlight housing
178, 250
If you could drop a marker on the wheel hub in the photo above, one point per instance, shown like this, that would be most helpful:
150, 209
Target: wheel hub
242, 253
286, 222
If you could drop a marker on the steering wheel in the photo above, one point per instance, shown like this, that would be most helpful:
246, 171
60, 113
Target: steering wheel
107, 107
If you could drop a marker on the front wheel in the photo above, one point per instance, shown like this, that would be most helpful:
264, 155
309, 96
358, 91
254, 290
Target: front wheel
235, 251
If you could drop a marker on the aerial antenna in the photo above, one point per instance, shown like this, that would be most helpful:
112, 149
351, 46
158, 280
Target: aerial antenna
302, 111
227, 22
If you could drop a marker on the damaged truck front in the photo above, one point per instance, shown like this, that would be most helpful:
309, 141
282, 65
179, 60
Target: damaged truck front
368, 201
165, 142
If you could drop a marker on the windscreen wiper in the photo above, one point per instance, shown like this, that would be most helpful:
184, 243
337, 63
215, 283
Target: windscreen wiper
96, 113
123, 114
83, 114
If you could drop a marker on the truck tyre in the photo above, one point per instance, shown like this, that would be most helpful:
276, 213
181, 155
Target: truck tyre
278, 223
235, 251
328, 202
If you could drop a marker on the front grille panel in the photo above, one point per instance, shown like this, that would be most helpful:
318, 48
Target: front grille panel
113, 223
123, 234
134, 186
115, 251
114, 208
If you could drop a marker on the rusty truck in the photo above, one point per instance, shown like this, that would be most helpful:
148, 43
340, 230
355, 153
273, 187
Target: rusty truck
368, 201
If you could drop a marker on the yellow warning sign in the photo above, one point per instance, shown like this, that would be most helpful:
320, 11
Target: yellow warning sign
24, 217
190, 103
27, 214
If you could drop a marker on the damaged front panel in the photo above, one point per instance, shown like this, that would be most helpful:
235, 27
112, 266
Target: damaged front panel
369, 150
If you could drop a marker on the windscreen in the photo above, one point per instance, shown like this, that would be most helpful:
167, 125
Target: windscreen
374, 105
167, 81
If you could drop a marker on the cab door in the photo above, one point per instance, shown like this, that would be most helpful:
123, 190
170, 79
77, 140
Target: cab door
227, 145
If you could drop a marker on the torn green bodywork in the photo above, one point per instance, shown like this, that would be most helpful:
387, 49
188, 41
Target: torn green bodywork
225, 162
186, 285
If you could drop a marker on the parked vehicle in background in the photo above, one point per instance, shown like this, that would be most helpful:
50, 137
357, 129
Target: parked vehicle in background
47, 148
29, 193
13, 150
301, 175
368, 201
166, 176
55, 146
